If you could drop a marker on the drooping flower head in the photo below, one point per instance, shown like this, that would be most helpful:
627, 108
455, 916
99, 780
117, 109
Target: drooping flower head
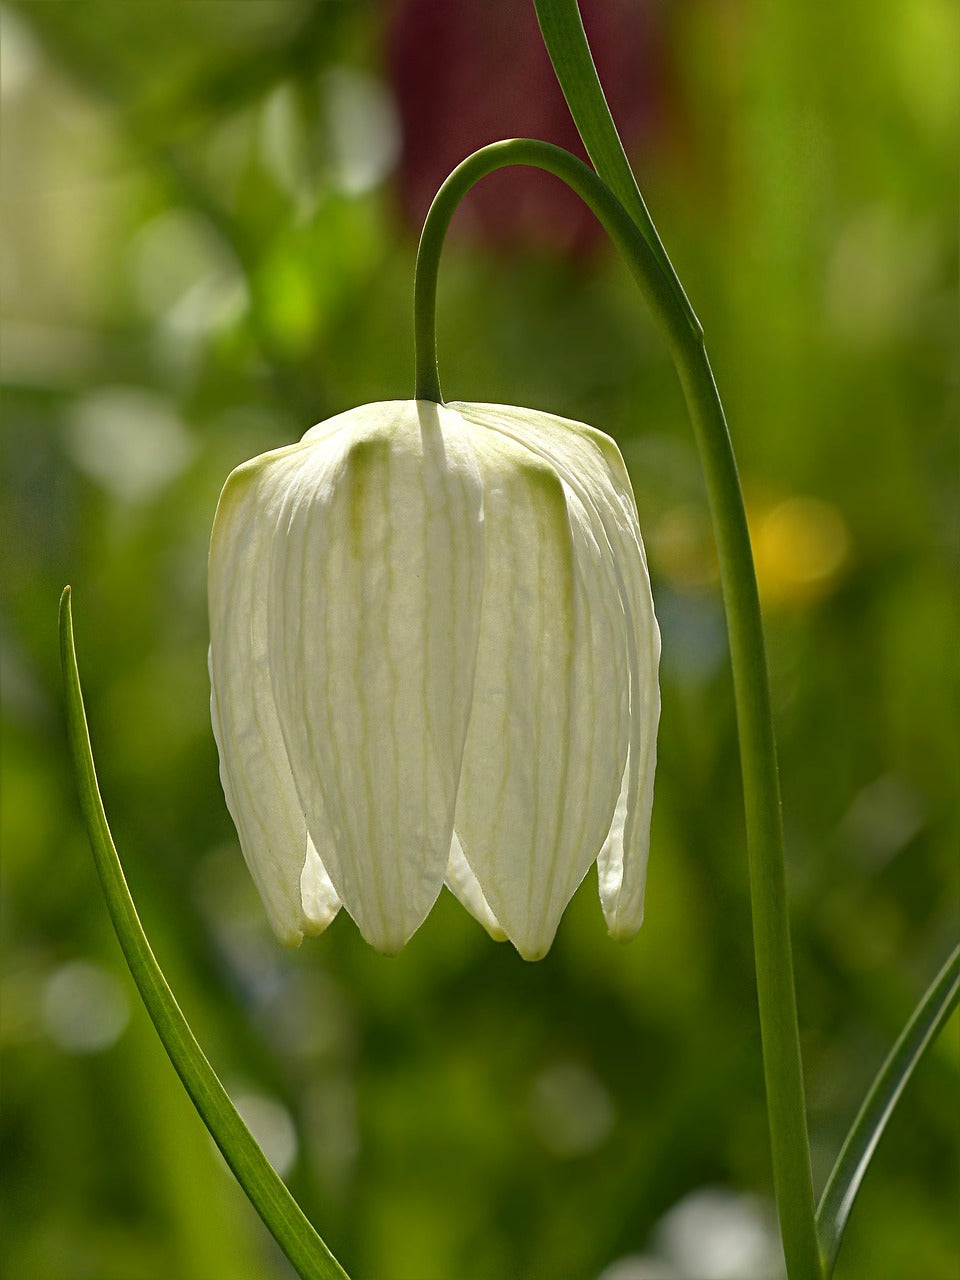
433, 660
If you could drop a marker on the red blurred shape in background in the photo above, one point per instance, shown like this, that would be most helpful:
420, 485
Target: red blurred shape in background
469, 72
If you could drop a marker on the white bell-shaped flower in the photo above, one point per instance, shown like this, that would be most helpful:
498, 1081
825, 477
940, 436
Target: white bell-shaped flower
434, 659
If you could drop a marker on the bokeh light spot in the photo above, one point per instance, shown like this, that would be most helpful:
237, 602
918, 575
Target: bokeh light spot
715, 1234
801, 546
571, 1109
84, 1008
129, 441
272, 1126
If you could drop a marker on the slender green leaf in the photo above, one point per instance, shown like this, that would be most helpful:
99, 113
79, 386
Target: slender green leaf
925, 1024
566, 42
266, 1191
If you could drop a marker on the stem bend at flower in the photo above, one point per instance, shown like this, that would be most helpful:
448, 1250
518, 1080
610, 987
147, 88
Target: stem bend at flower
655, 285
265, 1189
761, 786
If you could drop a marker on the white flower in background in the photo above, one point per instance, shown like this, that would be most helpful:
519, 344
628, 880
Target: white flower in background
434, 660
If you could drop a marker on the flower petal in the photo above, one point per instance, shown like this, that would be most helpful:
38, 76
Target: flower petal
254, 770
591, 465
622, 865
547, 739
374, 603
461, 881
317, 894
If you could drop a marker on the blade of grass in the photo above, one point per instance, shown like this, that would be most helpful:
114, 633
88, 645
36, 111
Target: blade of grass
566, 42
265, 1189
926, 1022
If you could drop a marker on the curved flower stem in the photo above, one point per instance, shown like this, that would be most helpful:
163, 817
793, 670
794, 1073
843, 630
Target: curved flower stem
761, 786
642, 261
265, 1189
926, 1022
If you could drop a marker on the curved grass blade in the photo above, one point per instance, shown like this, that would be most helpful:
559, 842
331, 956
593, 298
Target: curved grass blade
927, 1021
573, 65
266, 1191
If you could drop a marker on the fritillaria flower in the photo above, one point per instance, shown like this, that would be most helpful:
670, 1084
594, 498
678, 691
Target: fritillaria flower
434, 660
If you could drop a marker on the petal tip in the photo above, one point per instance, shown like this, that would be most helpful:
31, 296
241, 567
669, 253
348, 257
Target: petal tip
390, 948
290, 938
624, 932
313, 928
388, 942
534, 949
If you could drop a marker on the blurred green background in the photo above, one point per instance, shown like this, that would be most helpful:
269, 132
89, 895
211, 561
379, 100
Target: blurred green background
206, 247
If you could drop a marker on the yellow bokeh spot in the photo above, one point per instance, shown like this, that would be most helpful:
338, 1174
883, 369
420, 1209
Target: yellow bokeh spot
681, 546
801, 547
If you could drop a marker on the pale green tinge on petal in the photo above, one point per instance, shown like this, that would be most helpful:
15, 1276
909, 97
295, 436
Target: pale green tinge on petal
256, 777
424, 613
374, 600
547, 739
461, 881
318, 897
622, 865
591, 466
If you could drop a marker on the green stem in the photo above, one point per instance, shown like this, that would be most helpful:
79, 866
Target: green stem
640, 258
566, 41
926, 1022
265, 1189
771, 933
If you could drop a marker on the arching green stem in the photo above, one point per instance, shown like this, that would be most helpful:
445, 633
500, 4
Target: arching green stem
265, 1189
771, 932
641, 259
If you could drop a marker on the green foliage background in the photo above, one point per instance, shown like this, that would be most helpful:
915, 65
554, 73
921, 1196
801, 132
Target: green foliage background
190, 278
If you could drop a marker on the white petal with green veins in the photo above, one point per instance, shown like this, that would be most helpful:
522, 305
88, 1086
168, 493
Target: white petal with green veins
461, 881
423, 615
591, 464
374, 608
547, 739
254, 770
